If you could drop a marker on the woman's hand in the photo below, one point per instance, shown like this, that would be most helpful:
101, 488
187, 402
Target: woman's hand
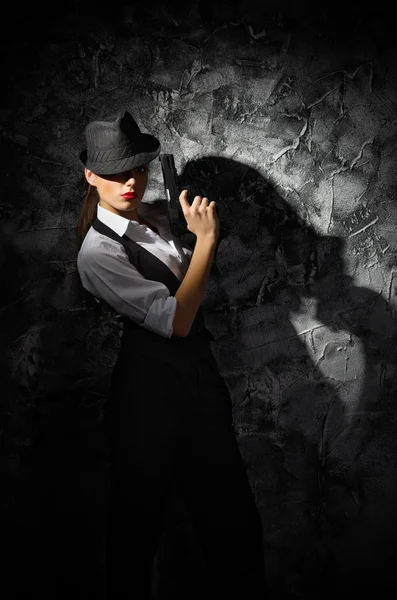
201, 217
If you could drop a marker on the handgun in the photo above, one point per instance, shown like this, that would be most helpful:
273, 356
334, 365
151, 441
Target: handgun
176, 217
172, 191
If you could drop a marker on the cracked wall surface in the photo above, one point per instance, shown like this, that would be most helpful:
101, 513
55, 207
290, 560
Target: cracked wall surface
286, 116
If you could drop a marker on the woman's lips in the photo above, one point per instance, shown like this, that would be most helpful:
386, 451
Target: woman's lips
129, 196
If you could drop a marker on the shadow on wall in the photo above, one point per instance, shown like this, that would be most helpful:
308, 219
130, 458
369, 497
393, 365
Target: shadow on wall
310, 361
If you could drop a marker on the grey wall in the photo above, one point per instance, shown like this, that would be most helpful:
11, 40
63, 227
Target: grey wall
286, 114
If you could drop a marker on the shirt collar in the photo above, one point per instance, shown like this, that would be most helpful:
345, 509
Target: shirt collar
118, 223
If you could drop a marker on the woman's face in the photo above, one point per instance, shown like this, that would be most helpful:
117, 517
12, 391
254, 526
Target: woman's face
121, 193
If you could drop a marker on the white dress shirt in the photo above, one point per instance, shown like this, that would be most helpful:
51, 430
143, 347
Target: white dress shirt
106, 272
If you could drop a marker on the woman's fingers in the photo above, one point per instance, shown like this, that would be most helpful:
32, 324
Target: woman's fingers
197, 202
183, 200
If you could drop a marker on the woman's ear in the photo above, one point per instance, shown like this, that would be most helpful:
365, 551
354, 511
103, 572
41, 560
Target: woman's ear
90, 176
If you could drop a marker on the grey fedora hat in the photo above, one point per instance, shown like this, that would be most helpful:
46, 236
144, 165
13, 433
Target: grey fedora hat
117, 146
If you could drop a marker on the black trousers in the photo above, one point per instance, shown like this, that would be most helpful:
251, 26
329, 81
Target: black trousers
170, 432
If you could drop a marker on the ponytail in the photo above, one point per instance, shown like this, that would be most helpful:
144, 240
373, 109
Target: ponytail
87, 214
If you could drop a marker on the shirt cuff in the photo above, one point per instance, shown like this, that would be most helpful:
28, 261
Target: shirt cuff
160, 317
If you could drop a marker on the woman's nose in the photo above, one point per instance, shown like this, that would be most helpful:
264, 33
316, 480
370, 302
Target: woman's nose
130, 179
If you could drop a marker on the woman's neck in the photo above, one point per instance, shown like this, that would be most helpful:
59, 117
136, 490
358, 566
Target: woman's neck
131, 215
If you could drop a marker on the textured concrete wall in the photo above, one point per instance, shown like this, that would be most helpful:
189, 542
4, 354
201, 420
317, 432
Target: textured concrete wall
286, 115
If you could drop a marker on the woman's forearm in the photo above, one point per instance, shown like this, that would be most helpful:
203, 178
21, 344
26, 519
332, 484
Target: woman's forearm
192, 288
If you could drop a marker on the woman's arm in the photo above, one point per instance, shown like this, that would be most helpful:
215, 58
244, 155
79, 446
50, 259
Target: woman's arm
203, 222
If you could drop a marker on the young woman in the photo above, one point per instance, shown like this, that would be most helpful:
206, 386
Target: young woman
169, 413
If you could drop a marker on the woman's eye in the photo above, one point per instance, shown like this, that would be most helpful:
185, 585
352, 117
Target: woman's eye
142, 169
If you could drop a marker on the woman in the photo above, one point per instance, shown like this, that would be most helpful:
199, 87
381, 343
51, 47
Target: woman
169, 413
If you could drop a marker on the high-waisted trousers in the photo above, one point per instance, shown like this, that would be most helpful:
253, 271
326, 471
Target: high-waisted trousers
173, 433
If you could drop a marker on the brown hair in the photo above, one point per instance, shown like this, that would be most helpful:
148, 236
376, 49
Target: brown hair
87, 214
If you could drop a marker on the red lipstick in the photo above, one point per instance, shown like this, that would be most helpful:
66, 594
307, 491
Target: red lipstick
129, 195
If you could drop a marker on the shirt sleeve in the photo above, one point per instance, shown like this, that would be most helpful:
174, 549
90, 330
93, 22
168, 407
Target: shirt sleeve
106, 273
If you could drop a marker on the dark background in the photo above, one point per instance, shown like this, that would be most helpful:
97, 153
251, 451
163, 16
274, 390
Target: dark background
285, 113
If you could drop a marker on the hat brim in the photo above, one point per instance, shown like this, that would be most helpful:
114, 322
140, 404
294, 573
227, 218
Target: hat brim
112, 167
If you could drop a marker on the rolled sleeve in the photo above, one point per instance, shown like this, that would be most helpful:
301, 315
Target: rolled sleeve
160, 316
106, 272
